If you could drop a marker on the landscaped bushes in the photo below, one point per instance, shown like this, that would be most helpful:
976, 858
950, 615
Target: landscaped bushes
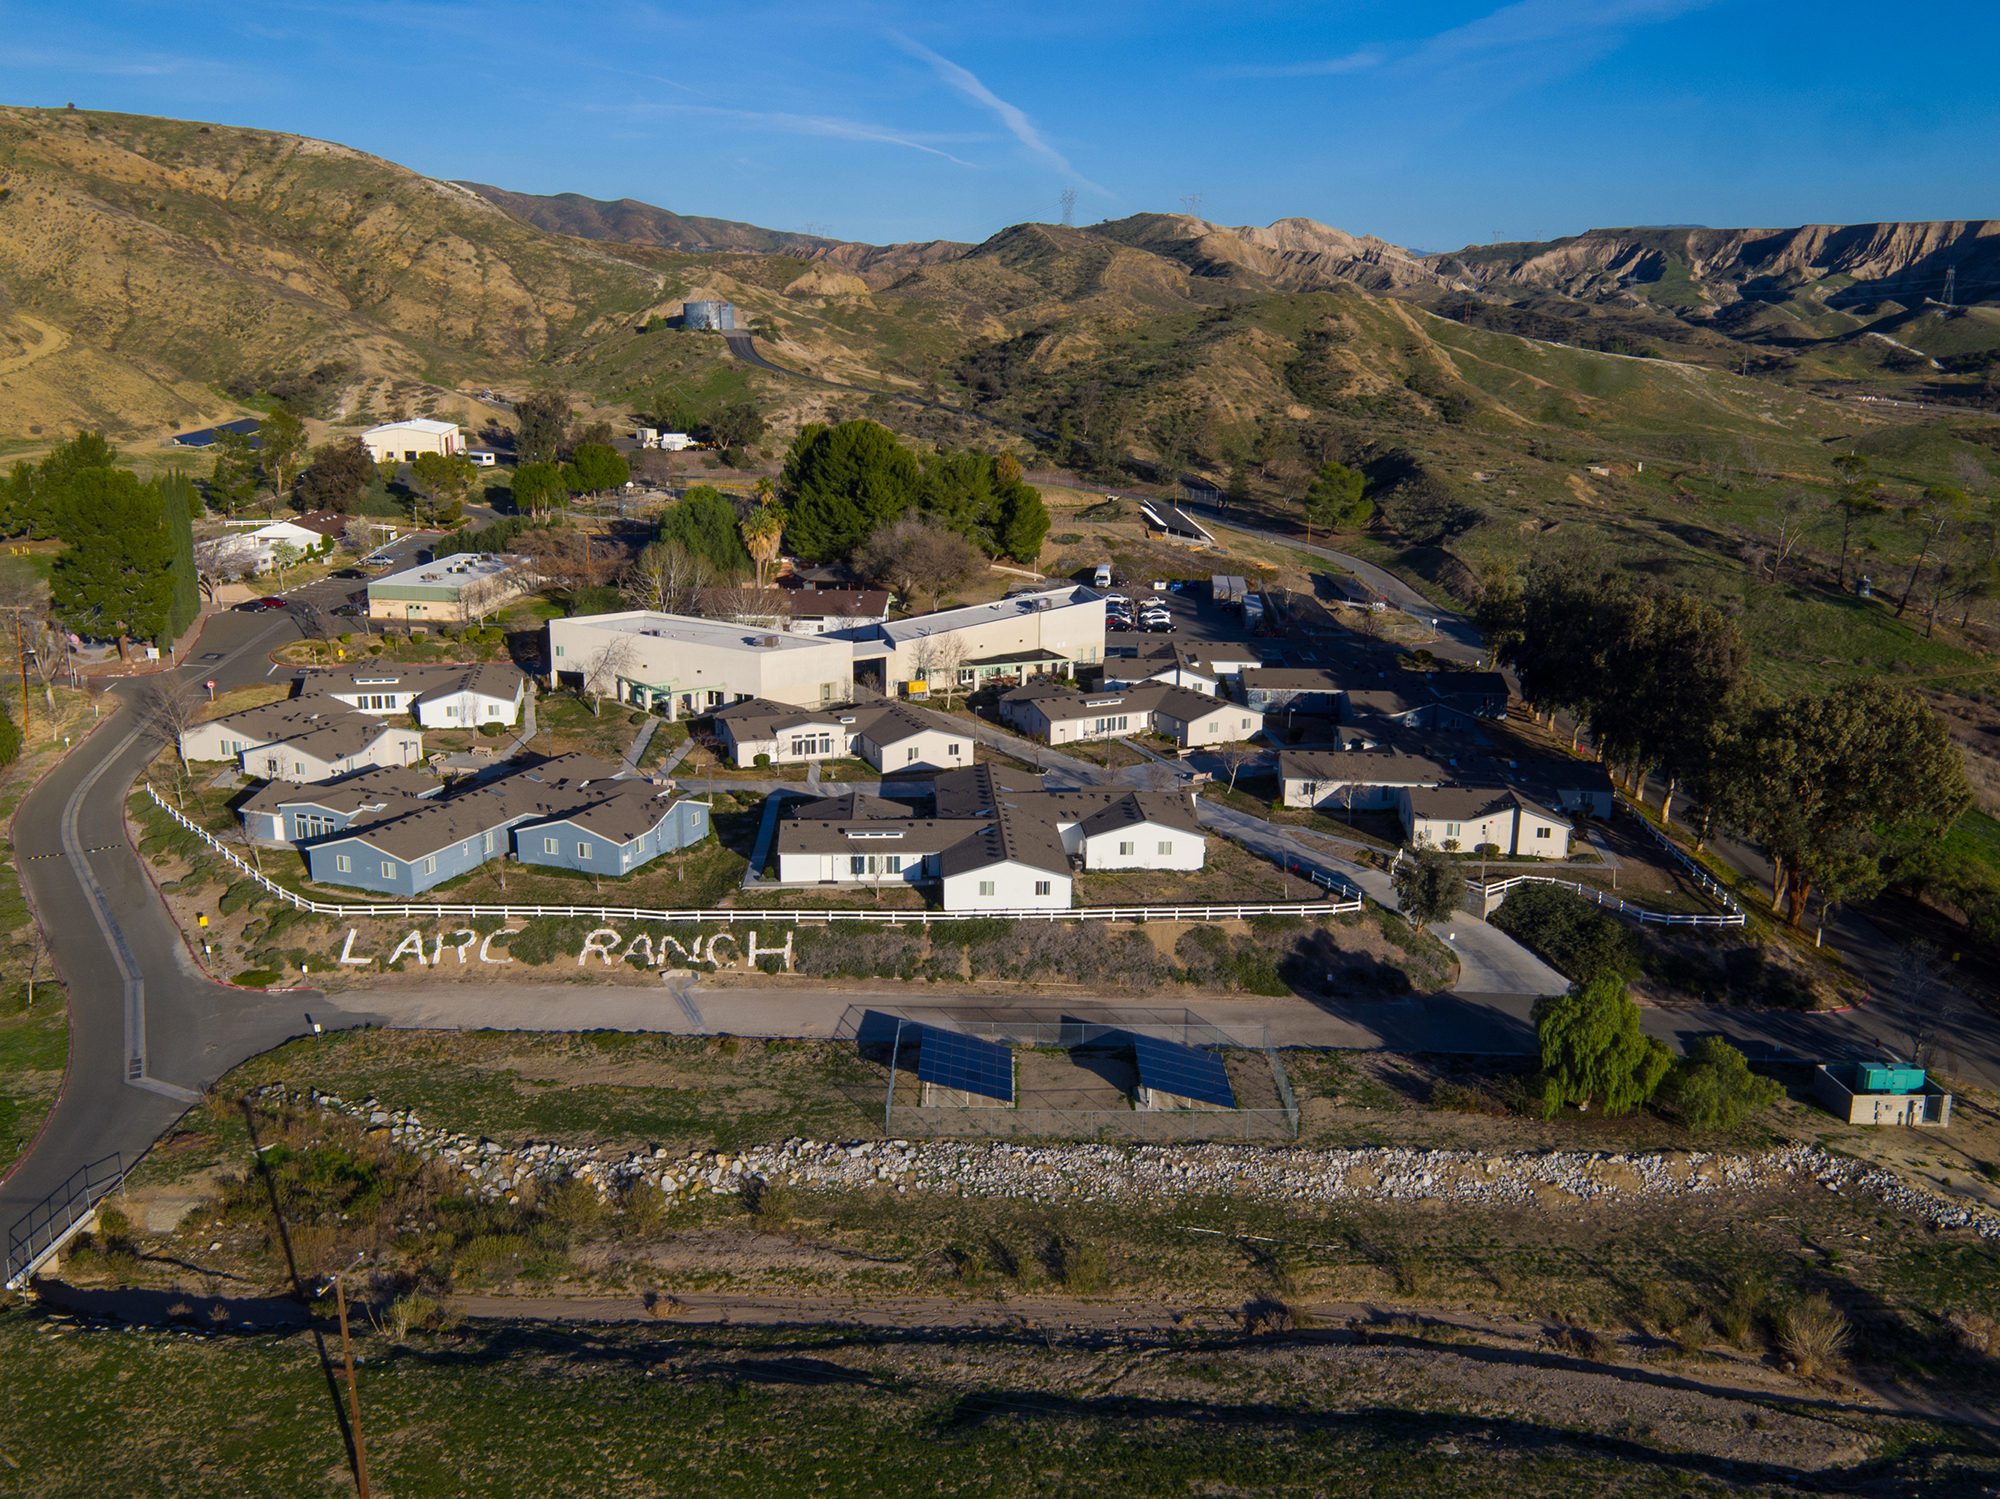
1573, 936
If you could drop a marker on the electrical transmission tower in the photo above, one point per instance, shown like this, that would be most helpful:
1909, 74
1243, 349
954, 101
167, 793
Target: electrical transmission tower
1069, 207
1950, 284
1192, 202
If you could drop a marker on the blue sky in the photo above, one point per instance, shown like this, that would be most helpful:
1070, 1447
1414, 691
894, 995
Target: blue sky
1431, 125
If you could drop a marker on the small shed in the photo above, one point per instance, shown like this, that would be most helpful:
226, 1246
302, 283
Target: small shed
1882, 1093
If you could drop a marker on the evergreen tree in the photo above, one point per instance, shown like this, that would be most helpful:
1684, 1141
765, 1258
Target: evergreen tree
596, 468
10, 737
178, 500
539, 487
116, 577
705, 523
841, 483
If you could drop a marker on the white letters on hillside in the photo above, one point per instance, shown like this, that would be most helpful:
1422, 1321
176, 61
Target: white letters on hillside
658, 951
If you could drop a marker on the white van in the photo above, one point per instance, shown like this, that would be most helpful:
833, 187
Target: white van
1102, 577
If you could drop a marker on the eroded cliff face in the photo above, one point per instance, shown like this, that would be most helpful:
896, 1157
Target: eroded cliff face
1289, 255
1865, 262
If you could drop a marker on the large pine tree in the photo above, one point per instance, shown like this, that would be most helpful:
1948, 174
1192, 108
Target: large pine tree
841, 483
116, 577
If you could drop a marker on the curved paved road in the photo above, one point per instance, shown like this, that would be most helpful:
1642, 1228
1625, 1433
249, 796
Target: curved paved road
148, 1031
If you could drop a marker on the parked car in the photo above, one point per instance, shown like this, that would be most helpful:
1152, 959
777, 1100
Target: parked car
258, 606
351, 611
1156, 624
350, 572
1113, 623
1115, 600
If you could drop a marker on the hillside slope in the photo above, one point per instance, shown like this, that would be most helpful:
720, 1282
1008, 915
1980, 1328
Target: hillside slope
171, 254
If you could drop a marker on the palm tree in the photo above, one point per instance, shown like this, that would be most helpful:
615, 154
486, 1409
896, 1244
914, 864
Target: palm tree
761, 534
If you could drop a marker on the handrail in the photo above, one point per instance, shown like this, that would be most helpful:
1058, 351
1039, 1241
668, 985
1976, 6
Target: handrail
49, 1223
527, 911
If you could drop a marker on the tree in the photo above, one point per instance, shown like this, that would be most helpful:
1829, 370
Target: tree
1862, 768
284, 557
340, 471
219, 560
540, 418
762, 532
948, 661
165, 714
1234, 757
596, 468
116, 577
10, 737
1792, 516
1334, 501
840, 484
667, 577
1592, 1047
444, 480
705, 523
1501, 615
539, 487
601, 676
1858, 499
1941, 508
1429, 886
910, 557
983, 498
281, 448
736, 425
1713, 1089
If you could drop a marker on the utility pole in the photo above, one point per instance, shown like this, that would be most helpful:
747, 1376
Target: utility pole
353, 1389
21, 650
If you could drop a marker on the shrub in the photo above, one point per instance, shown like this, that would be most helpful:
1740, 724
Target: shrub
1814, 1335
1572, 935
255, 978
1713, 1089
1457, 1098
491, 729
762, 761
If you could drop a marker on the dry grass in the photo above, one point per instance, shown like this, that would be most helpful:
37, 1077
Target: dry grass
1814, 1336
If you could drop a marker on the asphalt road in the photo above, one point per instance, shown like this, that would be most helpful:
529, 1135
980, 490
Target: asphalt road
148, 1032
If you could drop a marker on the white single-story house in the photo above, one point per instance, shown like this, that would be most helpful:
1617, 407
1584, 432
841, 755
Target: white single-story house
440, 697
895, 737
1355, 779
757, 726
1145, 830
322, 740
1064, 716
1464, 819
1009, 863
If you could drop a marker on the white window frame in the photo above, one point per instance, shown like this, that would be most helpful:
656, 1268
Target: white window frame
1042, 887
986, 887
1166, 845
430, 864
342, 864
582, 849
388, 869
552, 845
1126, 850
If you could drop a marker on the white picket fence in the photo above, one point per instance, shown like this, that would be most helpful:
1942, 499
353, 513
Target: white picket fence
430, 911
1490, 894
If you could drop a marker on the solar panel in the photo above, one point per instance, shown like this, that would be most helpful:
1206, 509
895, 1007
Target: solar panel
966, 1063
1183, 1071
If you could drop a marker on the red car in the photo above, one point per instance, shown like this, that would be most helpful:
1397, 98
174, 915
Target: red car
257, 606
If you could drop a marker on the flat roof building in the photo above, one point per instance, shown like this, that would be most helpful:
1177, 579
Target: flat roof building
457, 589
405, 442
690, 666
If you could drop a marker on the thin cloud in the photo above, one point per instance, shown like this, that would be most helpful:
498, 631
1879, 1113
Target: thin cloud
1014, 119
797, 124
1354, 62
1531, 23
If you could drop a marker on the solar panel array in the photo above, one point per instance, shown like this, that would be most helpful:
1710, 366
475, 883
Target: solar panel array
1183, 1071
952, 1060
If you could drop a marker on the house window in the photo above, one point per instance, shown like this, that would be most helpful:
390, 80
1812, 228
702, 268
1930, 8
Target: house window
715, 700
1166, 845
552, 845
271, 766
1041, 887
583, 850
912, 754
985, 887
388, 870
342, 864
954, 746
1246, 723
1452, 829
489, 841
1127, 848
1541, 832
857, 864
492, 710
450, 712
298, 824
826, 744
431, 864
559, 650
826, 692
892, 864
299, 768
